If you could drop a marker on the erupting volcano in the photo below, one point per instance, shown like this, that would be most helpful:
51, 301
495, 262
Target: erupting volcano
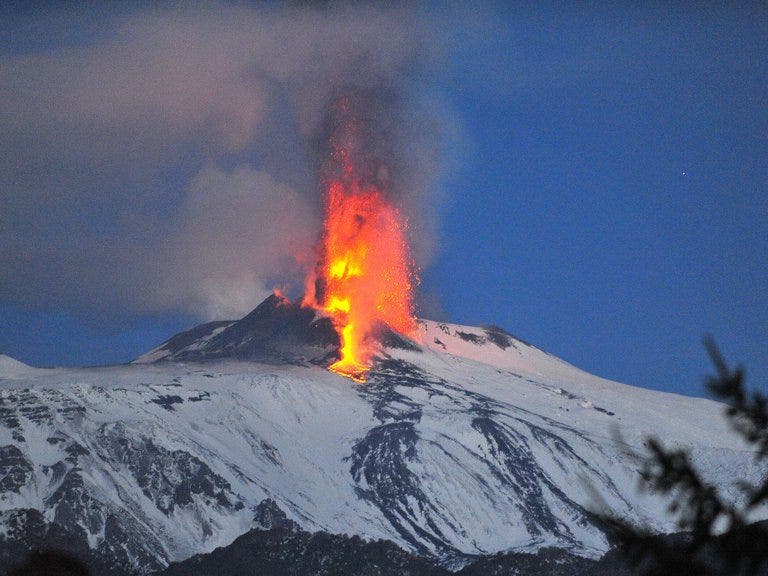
364, 276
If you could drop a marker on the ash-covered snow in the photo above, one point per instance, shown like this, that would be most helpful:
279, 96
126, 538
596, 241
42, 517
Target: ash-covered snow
478, 443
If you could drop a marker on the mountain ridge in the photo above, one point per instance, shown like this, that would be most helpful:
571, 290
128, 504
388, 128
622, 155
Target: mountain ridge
474, 443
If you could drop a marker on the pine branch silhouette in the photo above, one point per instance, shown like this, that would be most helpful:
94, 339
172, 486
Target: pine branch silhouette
718, 540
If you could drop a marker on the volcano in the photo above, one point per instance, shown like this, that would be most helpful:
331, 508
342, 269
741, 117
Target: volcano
463, 442
276, 331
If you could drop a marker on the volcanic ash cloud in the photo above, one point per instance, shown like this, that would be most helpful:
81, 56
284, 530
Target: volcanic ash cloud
171, 160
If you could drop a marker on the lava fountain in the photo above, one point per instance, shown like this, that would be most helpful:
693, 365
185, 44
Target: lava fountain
364, 276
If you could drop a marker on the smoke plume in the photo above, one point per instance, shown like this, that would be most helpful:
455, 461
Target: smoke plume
169, 160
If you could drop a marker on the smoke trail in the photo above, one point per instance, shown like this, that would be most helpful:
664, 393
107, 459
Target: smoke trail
170, 161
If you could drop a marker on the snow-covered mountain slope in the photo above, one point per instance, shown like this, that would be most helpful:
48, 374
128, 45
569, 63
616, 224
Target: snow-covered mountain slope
12, 368
472, 443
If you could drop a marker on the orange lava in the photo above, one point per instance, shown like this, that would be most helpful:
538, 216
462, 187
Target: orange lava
364, 279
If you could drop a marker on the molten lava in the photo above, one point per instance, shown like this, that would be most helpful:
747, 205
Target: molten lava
364, 279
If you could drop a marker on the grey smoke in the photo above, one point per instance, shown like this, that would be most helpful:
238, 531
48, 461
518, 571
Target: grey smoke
167, 163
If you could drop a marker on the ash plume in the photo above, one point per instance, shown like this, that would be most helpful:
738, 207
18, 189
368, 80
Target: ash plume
169, 161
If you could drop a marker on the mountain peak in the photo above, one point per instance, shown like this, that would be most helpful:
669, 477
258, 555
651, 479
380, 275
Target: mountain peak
279, 331
469, 443
276, 331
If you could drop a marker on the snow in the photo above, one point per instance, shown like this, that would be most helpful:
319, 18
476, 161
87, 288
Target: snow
11, 368
293, 434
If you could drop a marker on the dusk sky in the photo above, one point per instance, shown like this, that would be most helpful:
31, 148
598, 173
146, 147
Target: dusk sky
593, 180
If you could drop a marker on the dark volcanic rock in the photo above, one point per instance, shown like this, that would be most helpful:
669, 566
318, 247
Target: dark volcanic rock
28, 531
391, 339
500, 337
285, 552
546, 562
15, 470
469, 337
170, 478
180, 341
167, 401
75, 507
268, 515
51, 563
276, 331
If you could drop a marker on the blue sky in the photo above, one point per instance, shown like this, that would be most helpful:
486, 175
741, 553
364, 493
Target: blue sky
604, 193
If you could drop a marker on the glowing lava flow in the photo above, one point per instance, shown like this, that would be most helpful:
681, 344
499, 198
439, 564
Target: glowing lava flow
364, 279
